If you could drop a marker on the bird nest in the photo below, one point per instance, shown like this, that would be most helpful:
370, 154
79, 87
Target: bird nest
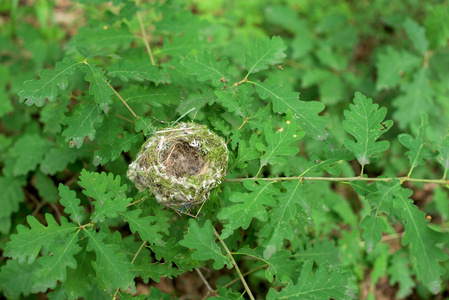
180, 165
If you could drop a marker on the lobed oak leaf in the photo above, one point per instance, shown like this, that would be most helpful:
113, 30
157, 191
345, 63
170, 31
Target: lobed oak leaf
71, 203
366, 123
29, 151
279, 143
99, 85
36, 91
248, 206
202, 239
307, 112
28, 242
139, 70
147, 227
111, 264
53, 268
423, 241
109, 196
206, 67
82, 124
264, 52
420, 148
417, 98
317, 284
108, 153
15, 278
12, 196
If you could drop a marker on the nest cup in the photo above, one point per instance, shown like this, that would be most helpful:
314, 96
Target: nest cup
180, 165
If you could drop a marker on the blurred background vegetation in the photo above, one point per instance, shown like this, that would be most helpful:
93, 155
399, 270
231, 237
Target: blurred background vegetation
395, 52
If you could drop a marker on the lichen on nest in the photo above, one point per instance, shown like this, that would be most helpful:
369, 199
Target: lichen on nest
180, 165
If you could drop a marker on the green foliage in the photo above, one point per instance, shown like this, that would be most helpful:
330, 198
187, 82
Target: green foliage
98, 85
305, 112
280, 265
154, 271
279, 143
416, 100
284, 216
335, 121
203, 241
206, 67
28, 152
248, 206
46, 87
440, 197
374, 224
424, 241
318, 284
28, 242
366, 123
136, 70
400, 272
391, 64
16, 278
12, 195
443, 157
53, 268
109, 196
264, 52
147, 227
112, 151
417, 36
82, 125
112, 267
420, 148
71, 204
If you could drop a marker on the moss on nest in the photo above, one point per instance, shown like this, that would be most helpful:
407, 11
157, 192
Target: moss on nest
180, 165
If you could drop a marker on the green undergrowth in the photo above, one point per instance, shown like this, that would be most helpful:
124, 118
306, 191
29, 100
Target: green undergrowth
335, 115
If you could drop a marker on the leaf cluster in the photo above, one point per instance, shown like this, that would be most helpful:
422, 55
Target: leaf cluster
327, 191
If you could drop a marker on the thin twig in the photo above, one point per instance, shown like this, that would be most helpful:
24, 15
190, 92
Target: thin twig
201, 207
56, 209
144, 36
132, 262
204, 280
86, 225
244, 122
242, 81
39, 204
250, 294
245, 274
123, 118
341, 179
31, 196
390, 237
138, 251
135, 202
71, 180
37, 209
124, 102
184, 212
